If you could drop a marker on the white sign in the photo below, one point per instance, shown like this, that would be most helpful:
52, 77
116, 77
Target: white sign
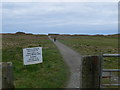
32, 55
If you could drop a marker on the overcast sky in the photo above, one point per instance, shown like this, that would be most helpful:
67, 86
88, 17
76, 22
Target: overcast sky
72, 18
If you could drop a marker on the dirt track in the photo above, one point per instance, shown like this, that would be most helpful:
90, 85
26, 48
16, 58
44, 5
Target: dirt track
73, 60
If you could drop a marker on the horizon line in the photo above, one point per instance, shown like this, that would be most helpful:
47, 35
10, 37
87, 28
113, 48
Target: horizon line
60, 33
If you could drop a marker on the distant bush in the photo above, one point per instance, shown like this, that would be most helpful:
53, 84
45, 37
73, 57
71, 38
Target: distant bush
20, 32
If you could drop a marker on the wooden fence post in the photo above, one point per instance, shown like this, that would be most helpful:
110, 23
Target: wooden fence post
0, 76
91, 72
7, 75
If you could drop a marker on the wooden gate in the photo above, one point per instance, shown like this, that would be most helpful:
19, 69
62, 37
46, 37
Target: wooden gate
110, 71
92, 71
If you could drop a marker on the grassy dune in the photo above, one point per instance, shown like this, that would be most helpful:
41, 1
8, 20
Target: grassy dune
52, 73
93, 45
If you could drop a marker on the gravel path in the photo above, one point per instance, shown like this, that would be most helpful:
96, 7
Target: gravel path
73, 60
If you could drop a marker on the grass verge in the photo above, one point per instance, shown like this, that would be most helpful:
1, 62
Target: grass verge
94, 45
52, 73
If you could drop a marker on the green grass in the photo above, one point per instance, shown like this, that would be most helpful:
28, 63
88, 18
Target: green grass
52, 73
88, 45
94, 45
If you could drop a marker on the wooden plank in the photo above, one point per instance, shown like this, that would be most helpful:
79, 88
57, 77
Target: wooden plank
7, 75
0, 76
111, 70
91, 70
101, 68
110, 84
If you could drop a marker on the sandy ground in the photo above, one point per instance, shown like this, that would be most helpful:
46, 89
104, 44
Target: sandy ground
73, 60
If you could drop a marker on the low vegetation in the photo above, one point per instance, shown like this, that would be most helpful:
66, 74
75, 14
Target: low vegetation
52, 73
94, 45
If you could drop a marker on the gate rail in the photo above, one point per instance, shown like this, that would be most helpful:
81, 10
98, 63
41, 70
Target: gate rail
111, 55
